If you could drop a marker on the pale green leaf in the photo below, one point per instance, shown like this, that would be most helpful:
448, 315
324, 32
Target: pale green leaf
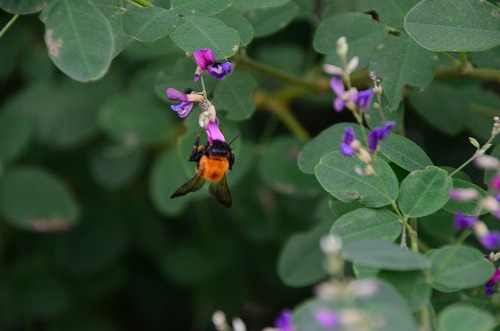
149, 24
465, 317
404, 152
245, 5
23, 7
200, 7
237, 21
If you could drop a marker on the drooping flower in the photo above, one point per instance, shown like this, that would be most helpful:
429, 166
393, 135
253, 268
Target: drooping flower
464, 222
494, 279
344, 98
213, 132
463, 194
327, 318
205, 60
491, 240
364, 99
378, 134
186, 104
495, 182
346, 147
284, 321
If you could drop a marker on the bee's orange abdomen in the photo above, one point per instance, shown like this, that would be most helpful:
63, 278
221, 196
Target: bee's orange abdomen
213, 169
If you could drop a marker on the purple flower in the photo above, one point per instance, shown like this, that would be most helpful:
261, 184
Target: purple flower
464, 222
342, 97
346, 148
284, 321
186, 104
378, 134
491, 240
494, 279
364, 99
327, 318
213, 132
205, 60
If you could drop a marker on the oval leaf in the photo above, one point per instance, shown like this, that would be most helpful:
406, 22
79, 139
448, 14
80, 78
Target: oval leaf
15, 134
34, 200
337, 174
404, 152
383, 254
82, 53
461, 26
149, 24
200, 7
364, 223
198, 32
266, 21
245, 5
235, 20
412, 285
234, 94
465, 317
459, 267
23, 7
423, 192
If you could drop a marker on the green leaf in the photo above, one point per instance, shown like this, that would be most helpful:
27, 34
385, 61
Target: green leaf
245, 5
383, 254
234, 19
388, 12
15, 133
379, 117
83, 54
200, 7
364, 223
23, 7
34, 200
404, 152
461, 26
301, 259
465, 317
268, 20
136, 120
423, 192
115, 166
198, 32
328, 140
466, 207
412, 285
382, 303
149, 24
336, 173
459, 267
401, 61
234, 94
362, 32
278, 168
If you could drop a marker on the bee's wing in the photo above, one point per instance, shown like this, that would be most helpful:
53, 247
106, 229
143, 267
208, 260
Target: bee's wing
192, 185
221, 192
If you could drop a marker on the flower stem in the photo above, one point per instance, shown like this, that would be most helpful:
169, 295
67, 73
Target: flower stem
141, 3
479, 152
8, 25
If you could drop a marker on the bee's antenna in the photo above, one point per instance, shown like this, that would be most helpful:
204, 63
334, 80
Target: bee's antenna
234, 139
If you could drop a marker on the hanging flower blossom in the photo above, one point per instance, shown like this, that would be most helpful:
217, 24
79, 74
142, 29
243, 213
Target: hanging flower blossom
491, 240
347, 148
378, 134
495, 182
495, 279
184, 108
205, 60
364, 99
344, 98
213, 132
284, 321
463, 194
464, 222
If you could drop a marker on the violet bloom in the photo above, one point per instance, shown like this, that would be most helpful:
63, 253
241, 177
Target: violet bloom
495, 279
284, 321
464, 222
213, 132
495, 182
343, 97
364, 99
327, 318
186, 104
346, 148
378, 134
491, 240
205, 60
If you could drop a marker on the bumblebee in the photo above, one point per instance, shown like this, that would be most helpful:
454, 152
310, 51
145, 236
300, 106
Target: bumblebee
213, 161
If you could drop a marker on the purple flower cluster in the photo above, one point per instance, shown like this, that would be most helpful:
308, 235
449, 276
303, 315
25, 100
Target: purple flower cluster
350, 145
205, 60
351, 98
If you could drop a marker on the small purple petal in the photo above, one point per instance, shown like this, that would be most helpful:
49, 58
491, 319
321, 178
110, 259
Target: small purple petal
347, 150
176, 95
365, 99
464, 222
348, 135
338, 104
386, 129
183, 108
337, 86
204, 57
491, 240
219, 70
327, 318
213, 132
353, 95
284, 321
378, 134
494, 279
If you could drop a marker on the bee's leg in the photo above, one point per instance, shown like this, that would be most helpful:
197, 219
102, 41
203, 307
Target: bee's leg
197, 152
